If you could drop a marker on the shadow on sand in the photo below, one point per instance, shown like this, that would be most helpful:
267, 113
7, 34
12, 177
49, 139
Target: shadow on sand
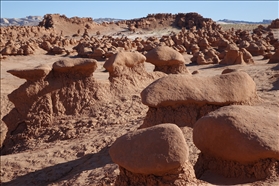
62, 171
276, 76
206, 66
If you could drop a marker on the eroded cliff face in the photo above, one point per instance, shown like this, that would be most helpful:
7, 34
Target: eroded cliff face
50, 20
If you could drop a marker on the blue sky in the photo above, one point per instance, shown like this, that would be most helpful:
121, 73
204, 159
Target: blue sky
235, 10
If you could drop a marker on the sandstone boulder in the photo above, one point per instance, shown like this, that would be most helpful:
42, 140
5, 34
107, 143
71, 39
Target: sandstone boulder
239, 133
247, 57
156, 150
256, 49
167, 60
122, 62
233, 56
275, 57
127, 72
192, 97
218, 90
33, 74
75, 66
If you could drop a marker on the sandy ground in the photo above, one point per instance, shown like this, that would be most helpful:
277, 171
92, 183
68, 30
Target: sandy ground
85, 160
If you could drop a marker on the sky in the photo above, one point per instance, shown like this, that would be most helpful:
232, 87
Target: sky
254, 11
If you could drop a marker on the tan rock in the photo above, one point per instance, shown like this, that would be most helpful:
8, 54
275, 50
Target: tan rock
84, 67
34, 74
239, 133
164, 55
192, 97
167, 60
223, 89
120, 61
156, 150
248, 58
233, 56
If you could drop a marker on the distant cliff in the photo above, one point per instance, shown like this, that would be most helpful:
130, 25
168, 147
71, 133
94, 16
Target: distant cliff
265, 21
27, 21
35, 20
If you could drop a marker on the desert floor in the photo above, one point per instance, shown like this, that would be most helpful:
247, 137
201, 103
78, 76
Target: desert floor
85, 160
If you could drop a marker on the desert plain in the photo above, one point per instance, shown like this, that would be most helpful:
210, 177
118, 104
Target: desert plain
162, 100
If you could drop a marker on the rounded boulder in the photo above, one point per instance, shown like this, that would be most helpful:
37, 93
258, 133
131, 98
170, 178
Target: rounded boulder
86, 67
164, 55
156, 150
239, 133
124, 59
225, 89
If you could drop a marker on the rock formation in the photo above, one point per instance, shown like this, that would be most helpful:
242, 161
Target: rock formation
274, 24
149, 155
233, 56
247, 136
67, 89
275, 57
167, 60
191, 97
127, 68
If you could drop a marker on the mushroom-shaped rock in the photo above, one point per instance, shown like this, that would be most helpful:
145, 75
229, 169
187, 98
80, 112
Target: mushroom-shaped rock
192, 97
156, 150
239, 133
247, 56
222, 89
256, 49
75, 66
120, 62
275, 57
233, 56
195, 48
127, 72
69, 89
167, 60
34, 74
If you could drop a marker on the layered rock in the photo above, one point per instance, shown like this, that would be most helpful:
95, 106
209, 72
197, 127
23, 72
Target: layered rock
68, 89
